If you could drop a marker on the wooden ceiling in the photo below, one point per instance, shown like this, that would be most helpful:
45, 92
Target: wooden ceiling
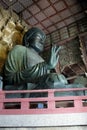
49, 15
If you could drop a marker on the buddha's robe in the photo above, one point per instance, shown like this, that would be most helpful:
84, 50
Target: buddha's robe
24, 65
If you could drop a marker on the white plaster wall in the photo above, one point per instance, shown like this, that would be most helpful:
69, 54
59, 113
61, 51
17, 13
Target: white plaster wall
49, 128
74, 121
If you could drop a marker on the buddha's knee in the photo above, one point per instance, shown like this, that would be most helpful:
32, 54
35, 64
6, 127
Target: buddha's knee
55, 80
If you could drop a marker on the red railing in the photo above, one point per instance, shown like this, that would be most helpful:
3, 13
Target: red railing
43, 105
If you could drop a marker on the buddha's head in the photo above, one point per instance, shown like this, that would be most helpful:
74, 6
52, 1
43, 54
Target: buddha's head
34, 38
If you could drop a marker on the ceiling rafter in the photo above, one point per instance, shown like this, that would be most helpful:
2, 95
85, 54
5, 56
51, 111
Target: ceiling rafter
60, 13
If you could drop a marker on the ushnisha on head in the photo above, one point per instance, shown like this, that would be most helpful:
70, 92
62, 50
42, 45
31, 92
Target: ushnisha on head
34, 38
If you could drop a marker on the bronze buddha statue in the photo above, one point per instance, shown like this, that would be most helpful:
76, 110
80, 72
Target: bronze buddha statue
25, 69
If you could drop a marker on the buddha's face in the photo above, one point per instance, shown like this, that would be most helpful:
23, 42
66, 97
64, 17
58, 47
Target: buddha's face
37, 42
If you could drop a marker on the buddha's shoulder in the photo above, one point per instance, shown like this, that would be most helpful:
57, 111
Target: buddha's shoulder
19, 47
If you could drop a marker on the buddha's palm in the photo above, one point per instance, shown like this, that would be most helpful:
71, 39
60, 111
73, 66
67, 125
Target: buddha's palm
53, 57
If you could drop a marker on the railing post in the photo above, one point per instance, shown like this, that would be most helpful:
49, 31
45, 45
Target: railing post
78, 103
2, 96
51, 103
24, 105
